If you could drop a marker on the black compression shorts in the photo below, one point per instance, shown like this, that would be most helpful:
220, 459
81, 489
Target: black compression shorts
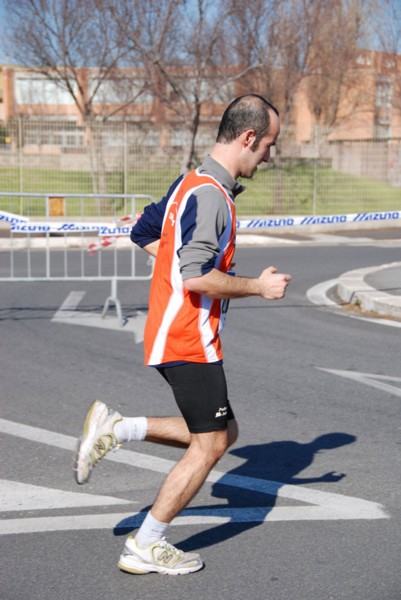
200, 391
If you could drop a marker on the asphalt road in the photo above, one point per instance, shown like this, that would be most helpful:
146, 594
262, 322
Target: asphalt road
306, 506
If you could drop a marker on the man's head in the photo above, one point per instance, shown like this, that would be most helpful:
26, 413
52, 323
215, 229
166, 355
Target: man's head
250, 111
248, 129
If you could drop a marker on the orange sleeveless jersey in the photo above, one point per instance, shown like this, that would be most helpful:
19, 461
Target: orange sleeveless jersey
183, 325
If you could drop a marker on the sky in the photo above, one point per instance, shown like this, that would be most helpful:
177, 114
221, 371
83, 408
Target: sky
3, 57
3, 24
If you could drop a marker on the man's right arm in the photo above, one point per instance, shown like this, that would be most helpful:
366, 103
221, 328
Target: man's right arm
152, 248
147, 230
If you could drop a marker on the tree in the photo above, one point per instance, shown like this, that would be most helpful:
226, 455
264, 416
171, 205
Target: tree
389, 39
187, 52
389, 30
276, 37
73, 44
250, 28
335, 91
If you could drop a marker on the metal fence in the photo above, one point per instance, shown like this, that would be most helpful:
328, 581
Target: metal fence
80, 237
320, 177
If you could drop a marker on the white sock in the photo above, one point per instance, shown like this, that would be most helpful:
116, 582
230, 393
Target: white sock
150, 531
131, 429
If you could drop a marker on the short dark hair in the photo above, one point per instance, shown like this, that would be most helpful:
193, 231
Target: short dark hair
249, 111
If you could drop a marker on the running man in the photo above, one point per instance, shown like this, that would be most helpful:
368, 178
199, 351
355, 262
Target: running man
191, 233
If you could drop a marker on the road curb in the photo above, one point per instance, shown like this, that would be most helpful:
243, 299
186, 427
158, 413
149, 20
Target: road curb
353, 289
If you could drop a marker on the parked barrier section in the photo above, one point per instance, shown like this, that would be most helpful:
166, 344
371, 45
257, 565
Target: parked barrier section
45, 243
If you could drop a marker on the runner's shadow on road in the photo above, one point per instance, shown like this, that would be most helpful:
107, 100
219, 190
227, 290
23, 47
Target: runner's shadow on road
250, 490
275, 464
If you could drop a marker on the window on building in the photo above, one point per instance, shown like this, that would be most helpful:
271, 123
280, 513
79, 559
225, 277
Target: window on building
120, 91
36, 89
384, 92
383, 107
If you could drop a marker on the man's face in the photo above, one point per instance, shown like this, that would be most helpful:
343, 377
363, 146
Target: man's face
256, 153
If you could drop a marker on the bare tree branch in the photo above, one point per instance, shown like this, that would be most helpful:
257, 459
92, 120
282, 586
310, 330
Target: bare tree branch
332, 61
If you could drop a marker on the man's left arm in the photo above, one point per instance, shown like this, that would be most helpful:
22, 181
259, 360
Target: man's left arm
201, 224
206, 217
270, 285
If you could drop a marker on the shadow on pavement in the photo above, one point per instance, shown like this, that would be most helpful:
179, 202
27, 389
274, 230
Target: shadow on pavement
280, 461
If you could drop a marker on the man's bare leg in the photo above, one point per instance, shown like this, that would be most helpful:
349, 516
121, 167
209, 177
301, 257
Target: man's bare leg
190, 473
173, 431
182, 483
170, 431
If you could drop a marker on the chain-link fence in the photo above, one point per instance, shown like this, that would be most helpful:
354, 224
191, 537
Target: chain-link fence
39, 156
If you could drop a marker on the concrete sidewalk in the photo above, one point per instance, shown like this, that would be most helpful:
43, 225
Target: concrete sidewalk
376, 289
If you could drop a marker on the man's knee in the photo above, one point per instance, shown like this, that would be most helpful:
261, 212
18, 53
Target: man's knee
210, 446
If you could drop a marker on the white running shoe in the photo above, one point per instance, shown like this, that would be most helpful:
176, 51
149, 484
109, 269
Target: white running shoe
96, 441
159, 557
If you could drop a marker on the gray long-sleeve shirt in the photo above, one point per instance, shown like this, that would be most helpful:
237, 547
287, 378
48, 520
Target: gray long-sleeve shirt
202, 224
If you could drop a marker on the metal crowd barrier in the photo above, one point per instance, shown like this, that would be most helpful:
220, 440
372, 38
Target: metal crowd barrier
41, 243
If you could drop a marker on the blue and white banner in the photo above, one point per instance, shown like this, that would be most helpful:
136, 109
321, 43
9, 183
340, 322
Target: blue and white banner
20, 224
69, 227
11, 218
271, 222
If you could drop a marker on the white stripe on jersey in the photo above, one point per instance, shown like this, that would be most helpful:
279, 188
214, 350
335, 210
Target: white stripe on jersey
176, 299
206, 330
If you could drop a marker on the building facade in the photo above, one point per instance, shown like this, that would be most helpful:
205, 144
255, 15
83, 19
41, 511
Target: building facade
368, 106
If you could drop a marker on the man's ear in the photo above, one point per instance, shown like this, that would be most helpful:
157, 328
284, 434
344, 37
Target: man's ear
248, 137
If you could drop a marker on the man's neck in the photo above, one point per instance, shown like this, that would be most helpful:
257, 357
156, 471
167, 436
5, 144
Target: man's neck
226, 155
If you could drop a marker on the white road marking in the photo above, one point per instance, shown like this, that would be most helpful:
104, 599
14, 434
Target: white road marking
375, 381
72, 301
210, 516
325, 505
245, 239
331, 238
68, 314
16, 496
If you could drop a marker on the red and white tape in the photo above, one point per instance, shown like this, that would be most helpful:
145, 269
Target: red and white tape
103, 242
